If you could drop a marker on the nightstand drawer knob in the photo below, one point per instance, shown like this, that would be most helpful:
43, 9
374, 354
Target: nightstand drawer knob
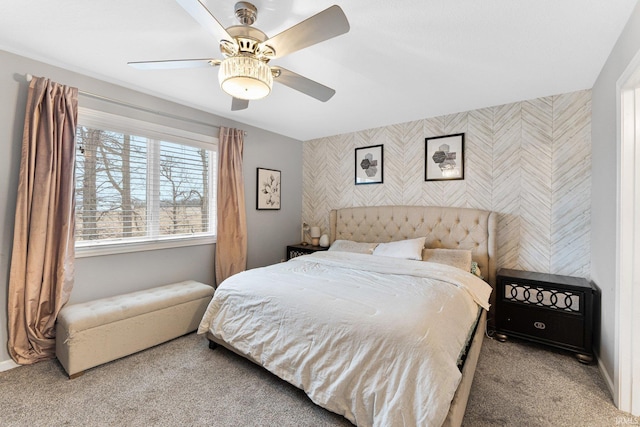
539, 325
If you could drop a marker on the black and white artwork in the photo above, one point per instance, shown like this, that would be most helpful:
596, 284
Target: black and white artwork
369, 165
444, 158
268, 189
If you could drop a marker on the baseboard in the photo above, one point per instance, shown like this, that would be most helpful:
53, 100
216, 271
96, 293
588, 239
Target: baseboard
609, 382
7, 364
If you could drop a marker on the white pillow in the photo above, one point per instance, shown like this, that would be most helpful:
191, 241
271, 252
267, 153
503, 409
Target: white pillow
406, 249
460, 258
351, 246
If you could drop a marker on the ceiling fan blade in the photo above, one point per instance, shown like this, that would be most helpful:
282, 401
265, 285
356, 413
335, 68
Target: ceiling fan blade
239, 104
304, 85
200, 13
170, 64
327, 24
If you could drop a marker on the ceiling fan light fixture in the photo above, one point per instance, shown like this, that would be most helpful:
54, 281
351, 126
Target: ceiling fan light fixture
244, 77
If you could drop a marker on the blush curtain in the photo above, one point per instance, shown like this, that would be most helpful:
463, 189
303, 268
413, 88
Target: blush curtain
231, 239
42, 260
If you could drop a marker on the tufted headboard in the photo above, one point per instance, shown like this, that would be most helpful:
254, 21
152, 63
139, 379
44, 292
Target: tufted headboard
444, 227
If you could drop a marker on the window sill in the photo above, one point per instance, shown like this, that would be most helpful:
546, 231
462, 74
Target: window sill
113, 248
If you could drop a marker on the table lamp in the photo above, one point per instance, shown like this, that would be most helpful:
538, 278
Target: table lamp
315, 236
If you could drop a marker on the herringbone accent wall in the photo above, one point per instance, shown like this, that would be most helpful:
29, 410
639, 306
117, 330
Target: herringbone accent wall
529, 161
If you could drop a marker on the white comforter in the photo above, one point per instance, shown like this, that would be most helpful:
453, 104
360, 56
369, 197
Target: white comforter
375, 339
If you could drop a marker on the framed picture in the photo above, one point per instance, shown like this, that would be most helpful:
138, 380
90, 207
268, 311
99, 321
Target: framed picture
369, 165
444, 157
268, 189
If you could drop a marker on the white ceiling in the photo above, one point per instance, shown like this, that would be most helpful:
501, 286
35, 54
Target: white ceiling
401, 61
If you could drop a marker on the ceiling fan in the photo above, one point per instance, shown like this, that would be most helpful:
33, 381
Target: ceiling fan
244, 71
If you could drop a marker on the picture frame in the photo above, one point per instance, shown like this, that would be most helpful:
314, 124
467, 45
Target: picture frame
444, 158
369, 165
268, 186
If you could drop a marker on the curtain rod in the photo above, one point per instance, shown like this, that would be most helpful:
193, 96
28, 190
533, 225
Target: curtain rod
29, 77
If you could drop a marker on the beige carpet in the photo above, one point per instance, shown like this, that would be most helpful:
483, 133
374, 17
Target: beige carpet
183, 383
518, 383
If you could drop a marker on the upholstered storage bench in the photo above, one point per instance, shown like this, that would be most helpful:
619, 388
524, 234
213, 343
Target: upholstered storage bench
96, 332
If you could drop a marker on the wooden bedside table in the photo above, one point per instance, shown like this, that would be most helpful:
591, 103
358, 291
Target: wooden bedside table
297, 250
546, 308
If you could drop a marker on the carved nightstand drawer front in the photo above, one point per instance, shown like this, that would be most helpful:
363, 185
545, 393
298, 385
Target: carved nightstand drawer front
551, 298
299, 250
294, 253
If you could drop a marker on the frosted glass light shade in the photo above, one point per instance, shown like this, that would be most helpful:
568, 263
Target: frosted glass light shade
244, 77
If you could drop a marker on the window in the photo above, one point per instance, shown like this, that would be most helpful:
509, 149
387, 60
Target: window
141, 185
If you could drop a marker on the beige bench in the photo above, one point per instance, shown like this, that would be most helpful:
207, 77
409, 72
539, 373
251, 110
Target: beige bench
96, 332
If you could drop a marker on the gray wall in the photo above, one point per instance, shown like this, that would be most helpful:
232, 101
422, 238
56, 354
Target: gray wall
606, 148
269, 231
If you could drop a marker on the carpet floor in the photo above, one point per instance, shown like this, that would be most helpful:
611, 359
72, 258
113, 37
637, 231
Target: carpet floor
183, 383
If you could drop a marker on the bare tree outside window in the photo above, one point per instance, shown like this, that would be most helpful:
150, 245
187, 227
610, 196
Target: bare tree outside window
120, 195
86, 169
182, 189
204, 205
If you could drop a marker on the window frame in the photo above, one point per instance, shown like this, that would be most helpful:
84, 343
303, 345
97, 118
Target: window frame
112, 122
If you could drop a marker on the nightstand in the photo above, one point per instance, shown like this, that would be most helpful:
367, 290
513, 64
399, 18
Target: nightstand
547, 308
299, 249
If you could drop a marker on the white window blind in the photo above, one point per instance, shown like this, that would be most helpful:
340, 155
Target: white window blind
141, 183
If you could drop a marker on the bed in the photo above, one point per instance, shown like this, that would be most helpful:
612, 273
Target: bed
381, 340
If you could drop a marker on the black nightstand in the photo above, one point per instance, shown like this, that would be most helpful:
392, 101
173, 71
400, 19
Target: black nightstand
299, 249
547, 308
